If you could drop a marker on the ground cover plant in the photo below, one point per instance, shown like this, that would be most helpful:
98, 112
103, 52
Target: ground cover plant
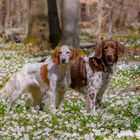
118, 119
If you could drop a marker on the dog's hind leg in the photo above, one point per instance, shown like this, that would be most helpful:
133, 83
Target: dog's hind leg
17, 92
15, 95
35, 96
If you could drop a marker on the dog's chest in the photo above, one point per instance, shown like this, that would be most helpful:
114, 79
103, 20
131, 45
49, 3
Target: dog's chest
94, 80
63, 78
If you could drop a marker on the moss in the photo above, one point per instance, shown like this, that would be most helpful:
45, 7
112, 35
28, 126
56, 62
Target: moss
81, 52
37, 42
29, 40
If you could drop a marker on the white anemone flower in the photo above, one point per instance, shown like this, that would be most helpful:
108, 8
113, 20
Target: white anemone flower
26, 137
125, 133
137, 133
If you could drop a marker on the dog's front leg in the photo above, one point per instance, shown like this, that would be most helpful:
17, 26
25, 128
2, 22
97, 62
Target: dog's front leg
90, 97
60, 96
50, 102
61, 89
52, 97
90, 101
105, 81
99, 99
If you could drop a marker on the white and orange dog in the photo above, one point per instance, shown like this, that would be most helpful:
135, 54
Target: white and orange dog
51, 77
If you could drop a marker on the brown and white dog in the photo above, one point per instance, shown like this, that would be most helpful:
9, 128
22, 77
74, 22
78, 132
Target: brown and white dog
91, 75
51, 77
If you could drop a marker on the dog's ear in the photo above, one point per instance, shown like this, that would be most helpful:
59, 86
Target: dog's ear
95, 64
98, 50
55, 55
74, 54
120, 49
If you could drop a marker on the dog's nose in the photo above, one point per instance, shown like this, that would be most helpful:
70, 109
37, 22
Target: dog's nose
63, 60
109, 57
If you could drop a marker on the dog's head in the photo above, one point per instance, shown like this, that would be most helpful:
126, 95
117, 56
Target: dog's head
109, 51
64, 54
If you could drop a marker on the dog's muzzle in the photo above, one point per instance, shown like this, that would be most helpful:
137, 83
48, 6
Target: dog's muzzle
63, 61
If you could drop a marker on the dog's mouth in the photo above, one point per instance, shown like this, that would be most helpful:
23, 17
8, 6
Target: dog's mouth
109, 62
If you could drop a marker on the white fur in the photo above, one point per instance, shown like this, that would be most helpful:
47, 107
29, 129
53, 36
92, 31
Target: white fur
29, 75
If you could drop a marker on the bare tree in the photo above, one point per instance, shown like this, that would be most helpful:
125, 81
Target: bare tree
54, 25
70, 13
111, 18
25, 13
100, 5
38, 23
2, 15
118, 21
8, 19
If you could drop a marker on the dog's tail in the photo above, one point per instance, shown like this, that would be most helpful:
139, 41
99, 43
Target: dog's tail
7, 89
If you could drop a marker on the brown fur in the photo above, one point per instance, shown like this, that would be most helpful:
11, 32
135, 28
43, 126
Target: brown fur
44, 74
97, 72
96, 64
109, 51
36, 95
55, 56
74, 54
108, 48
78, 73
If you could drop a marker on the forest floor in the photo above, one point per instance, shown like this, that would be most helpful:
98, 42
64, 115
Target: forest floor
119, 119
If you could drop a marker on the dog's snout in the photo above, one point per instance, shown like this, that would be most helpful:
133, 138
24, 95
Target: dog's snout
109, 57
63, 60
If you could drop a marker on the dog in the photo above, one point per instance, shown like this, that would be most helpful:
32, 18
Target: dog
51, 77
91, 74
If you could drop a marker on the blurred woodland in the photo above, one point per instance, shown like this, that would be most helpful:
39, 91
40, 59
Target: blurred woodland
47, 22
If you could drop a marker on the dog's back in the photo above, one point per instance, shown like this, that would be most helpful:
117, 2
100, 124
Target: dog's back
27, 72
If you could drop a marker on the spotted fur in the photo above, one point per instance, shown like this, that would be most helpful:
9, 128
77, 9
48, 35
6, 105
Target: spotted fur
98, 71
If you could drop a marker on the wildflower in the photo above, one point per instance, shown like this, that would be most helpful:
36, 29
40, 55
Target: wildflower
74, 126
137, 133
29, 128
125, 133
86, 136
26, 137
98, 133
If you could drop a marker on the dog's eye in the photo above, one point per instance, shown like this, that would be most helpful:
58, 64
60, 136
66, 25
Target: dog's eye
68, 52
113, 48
105, 49
60, 52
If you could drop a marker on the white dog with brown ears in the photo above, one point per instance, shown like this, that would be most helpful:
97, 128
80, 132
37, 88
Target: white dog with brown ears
51, 77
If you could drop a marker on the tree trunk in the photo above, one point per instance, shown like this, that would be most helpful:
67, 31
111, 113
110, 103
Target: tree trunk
59, 8
111, 18
38, 23
25, 19
70, 13
118, 21
8, 19
54, 26
100, 16
2, 15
